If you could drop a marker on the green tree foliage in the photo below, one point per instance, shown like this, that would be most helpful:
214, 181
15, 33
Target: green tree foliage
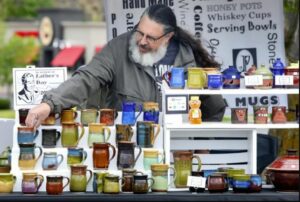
22, 9
17, 52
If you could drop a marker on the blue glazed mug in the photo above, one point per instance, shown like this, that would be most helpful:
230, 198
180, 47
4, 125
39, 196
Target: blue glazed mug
151, 112
214, 81
175, 77
76, 156
147, 133
128, 112
52, 160
26, 134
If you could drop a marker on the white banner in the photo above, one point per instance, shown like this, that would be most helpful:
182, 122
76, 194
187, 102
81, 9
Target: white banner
30, 84
239, 33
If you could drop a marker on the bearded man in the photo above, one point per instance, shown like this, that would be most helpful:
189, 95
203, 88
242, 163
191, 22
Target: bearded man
130, 68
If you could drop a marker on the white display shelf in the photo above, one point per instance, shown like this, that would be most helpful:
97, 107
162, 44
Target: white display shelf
64, 169
179, 134
240, 91
218, 125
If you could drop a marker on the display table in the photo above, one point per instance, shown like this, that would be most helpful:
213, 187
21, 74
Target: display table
265, 195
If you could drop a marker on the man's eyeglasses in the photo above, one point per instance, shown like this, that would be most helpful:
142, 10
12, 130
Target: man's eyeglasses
149, 39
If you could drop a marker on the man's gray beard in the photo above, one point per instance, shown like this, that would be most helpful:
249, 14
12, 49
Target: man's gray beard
146, 59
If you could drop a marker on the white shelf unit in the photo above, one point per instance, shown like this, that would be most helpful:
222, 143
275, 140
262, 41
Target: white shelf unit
179, 134
64, 169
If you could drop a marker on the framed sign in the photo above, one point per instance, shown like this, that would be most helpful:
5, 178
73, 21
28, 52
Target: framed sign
176, 104
30, 84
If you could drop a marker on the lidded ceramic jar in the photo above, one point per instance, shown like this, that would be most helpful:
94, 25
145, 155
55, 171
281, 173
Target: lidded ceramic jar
231, 78
293, 70
267, 77
284, 171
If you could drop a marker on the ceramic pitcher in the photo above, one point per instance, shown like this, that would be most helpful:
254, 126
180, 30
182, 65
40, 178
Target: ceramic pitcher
7, 182
159, 173
147, 133
128, 112
101, 155
126, 157
70, 136
124, 132
78, 179
27, 159
183, 163
98, 133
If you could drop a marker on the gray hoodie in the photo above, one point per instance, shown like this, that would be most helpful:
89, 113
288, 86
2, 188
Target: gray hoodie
114, 73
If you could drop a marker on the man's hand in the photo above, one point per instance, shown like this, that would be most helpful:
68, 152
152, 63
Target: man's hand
37, 114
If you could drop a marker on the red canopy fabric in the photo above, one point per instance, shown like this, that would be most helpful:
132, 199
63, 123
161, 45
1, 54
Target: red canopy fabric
68, 57
98, 49
27, 33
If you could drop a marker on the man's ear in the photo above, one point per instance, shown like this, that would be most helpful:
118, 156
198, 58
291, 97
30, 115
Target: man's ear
169, 36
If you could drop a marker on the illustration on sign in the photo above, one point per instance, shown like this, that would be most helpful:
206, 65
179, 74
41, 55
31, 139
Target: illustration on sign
30, 84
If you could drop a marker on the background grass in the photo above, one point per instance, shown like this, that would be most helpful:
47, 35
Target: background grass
7, 113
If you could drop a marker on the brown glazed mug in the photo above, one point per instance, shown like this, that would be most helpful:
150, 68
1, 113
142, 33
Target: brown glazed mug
127, 182
54, 184
216, 183
68, 116
108, 116
124, 132
239, 115
260, 114
101, 155
140, 183
279, 114
23, 115
51, 119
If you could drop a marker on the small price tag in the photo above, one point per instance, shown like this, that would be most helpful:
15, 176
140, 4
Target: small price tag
284, 80
254, 80
198, 182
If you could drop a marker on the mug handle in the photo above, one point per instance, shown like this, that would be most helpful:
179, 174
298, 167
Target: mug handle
57, 116
36, 134
75, 114
137, 157
174, 177
114, 152
157, 132
167, 76
130, 132
162, 157
81, 134
140, 111
152, 180
40, 154
108, 133
199, 161
58, 134
84, 156
60, 159
68, 182
41, 178
90, 177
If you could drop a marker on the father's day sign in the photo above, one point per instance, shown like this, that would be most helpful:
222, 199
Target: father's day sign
30, 84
